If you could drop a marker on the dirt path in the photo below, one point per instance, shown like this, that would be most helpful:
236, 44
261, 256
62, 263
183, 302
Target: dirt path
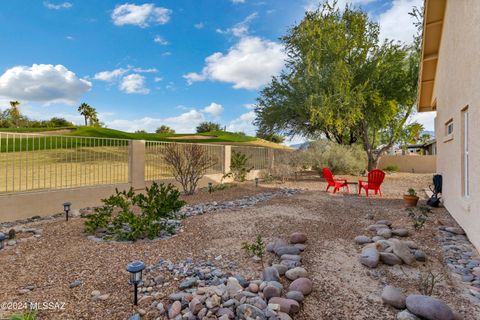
343, 289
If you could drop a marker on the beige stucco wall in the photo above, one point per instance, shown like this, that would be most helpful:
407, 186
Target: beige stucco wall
457, 85
410, 163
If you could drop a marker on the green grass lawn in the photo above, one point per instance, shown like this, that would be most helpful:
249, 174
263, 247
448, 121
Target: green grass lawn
66, 140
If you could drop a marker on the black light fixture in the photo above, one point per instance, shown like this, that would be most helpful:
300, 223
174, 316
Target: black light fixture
135, 268
3, 237
210, 187
66, 208
256, 182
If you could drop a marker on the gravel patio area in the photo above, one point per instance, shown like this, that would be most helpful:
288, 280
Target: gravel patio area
343, 288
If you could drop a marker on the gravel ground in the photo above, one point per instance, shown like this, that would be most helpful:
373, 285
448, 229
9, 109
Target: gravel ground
343, 289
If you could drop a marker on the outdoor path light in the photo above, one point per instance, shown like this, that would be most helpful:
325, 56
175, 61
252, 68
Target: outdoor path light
210, 187
66, 208
135, 268
256, 182
2, 240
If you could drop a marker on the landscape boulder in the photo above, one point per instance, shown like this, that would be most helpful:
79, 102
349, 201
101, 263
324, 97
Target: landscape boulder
298, 237
429, 308
394, 297
370, 257
304, 285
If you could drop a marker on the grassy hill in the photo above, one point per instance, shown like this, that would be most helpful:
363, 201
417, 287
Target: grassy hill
220, 137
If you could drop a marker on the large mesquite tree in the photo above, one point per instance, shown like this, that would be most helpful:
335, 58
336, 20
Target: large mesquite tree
341, 83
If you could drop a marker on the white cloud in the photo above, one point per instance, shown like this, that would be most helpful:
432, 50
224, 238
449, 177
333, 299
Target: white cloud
240, 29
43, 83
158, 79
110, 75
199, 25
244, 123
69, 38
144, 70
249, 64
160, 40
214, 109
59, 6
427, 119
134, 83
238, 1
140, 15
249, 106
396, 23
184, 123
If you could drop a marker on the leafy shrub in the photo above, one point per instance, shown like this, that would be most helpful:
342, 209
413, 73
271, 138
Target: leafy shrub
392, 168
256, 248
189, 163
419, 216
238, 166
208, 127
339, 158
116, 219
30, 315
411, 192
165, 130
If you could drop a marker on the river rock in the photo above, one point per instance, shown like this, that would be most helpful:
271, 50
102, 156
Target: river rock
187, 283
375, 227
233, 287
362, 239
277, 243
402, 251
280, 251
420, 255
295, 295
370, 257
248, 311
385, 222
406, 315
394, 297
400, 232
295, 273
390, 259
270, 274
288, 306
282, 269
304, 285
298, 237
293, 257
429, 308
271, 291
175, 309
386, 233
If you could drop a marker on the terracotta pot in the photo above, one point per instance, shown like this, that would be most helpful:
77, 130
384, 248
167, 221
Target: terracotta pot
410, 201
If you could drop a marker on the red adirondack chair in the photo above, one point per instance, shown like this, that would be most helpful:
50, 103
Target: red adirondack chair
335, 183
375, 179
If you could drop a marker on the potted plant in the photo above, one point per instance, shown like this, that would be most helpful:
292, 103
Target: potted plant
410, 198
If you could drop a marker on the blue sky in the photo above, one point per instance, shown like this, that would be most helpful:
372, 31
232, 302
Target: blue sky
142, 64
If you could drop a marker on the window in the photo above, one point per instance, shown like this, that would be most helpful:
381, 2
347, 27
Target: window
449, 127
465, 153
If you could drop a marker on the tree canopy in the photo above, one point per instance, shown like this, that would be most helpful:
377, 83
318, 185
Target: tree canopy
208, 127
342, 83
165, 129
89, 113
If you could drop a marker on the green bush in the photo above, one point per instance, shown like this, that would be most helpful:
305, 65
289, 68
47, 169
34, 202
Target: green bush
392, 168
340, 159
238, 167
117, 220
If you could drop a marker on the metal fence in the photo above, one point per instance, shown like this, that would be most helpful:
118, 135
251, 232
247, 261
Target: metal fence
258, 157
31, 162
156, 168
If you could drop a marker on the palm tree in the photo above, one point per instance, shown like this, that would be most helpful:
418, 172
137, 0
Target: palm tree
84, 111
89, 113
15, 112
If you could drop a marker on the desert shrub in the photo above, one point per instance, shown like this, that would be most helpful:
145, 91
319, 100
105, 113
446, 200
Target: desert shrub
208, 127
419, 216
284, 166
189, 163
427, 282
392, 168
256, 248
117, 220
30, 315
340, 159
239, 167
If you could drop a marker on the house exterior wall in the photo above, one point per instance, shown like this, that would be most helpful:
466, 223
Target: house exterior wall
457, 86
